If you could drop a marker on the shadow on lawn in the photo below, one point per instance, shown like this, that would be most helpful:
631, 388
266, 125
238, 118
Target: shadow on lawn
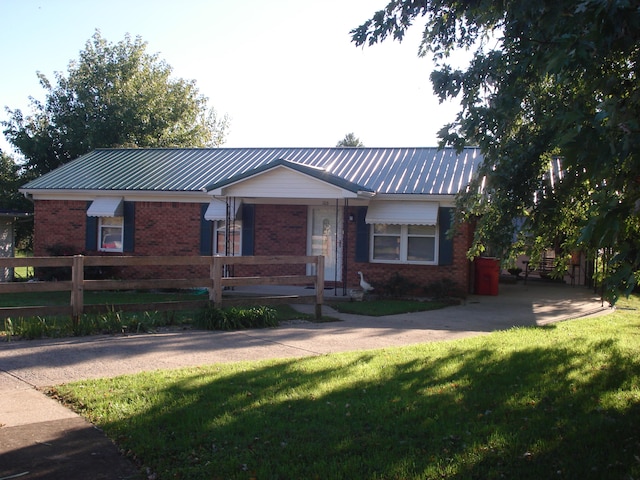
541, 413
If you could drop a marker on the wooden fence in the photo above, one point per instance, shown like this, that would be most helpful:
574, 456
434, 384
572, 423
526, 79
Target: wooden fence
216, 283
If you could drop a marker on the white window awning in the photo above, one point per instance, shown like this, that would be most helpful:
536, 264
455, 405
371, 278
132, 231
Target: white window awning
403, 213
217, 210
106, 207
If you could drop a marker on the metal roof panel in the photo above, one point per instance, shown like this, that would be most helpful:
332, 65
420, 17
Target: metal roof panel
380, 170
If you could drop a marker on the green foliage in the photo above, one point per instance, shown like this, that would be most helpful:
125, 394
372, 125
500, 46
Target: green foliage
384, 307
350, 140
528, 403
551, 96
64, 273
115, 321
114, 95
213, 318
397, 286
110, 322
12, 176
444, 289
29, 329
10, 180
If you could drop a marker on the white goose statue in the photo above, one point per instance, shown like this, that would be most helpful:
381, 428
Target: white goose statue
366, 286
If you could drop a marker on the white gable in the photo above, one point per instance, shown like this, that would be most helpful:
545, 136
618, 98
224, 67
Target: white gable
283, 182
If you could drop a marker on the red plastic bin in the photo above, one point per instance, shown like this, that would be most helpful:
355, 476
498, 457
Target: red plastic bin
487, 275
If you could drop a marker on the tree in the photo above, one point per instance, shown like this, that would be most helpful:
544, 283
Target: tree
552, 97
350, 140
10, 198
11, 177
115, 95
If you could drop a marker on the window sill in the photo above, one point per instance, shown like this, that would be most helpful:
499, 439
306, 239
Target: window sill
403, 262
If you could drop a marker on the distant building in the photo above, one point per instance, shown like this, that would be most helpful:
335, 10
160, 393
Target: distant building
7, 239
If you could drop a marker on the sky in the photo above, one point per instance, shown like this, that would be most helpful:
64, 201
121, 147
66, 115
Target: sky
284, 71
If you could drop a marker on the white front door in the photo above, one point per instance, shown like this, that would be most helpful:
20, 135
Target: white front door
325, 238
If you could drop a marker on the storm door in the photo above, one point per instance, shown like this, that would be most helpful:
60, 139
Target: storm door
325, 238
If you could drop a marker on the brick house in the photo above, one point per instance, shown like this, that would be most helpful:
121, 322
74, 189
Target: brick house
382, 211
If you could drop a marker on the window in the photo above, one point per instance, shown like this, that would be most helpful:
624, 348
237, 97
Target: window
386, 241
110, 234
233, 234
404, 243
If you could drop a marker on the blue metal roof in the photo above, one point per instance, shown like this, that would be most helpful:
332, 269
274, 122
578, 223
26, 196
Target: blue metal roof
380, 170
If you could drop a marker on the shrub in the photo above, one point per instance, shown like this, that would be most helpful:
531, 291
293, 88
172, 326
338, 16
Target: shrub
213, 318
445, 288
398, 286
98, 272
31, 328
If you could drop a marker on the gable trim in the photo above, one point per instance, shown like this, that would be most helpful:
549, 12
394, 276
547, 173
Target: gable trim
345, 188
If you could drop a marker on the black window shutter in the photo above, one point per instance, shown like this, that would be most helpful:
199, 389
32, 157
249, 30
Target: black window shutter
248, 229
445, 254
206, 232
362, 236
91, 235
129, 212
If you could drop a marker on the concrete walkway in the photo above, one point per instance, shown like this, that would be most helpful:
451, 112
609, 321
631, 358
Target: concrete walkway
41, 439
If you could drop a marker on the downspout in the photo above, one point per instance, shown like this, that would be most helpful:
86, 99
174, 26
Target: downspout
335, 269
345, 246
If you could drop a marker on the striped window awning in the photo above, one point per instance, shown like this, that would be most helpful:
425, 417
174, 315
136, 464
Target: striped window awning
403, 213
106, 207
217, 210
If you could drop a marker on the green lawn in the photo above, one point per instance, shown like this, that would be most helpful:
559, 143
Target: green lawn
383, 307
23, 273
99, 297
112, 320
561, 401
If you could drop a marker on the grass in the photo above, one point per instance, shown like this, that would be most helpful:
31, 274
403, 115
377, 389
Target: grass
99, 297
111, 321
561, 401
23, 273
114, 321
382, 307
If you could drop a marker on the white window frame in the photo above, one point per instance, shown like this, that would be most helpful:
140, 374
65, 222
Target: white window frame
403, 237
220, 226
113, 224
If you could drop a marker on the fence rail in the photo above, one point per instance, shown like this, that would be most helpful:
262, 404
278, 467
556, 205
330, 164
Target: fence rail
215, 283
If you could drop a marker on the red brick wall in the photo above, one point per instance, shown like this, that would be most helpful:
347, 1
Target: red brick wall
168, 228
280, 230
420, 275
57, 223
174, 229
160, 229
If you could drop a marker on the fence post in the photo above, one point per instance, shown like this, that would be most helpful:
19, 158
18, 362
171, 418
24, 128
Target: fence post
212, 285
319, 286
77, 289
215, 295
